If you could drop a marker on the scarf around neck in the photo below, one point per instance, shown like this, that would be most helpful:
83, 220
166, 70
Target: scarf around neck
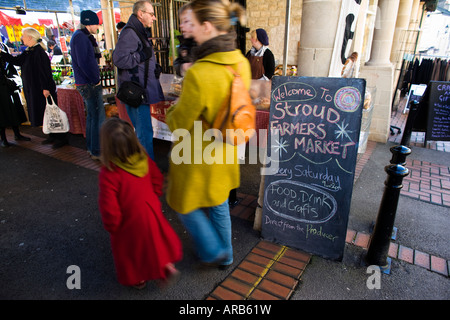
136, 164
258, 53
222, 43
94, 43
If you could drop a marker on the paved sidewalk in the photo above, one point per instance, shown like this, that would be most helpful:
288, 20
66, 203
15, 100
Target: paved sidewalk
268, 271
274, 272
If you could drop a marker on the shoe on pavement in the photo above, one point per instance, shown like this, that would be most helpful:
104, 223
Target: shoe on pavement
5, 144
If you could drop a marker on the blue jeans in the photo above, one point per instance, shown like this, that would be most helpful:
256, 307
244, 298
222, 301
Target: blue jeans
212, 236
95, 110
142, 121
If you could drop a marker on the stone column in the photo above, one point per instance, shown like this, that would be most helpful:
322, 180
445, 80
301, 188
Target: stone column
379, 70
401, 28
414, 24
318, 32
420, 15
400, 43
383, 36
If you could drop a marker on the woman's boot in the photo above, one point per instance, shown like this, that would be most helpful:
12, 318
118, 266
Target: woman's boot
4, 142
18, 136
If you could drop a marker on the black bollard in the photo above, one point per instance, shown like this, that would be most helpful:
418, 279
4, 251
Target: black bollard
399, 154
381, 237
413, 111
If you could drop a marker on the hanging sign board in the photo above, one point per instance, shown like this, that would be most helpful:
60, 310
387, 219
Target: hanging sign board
307, 200
438, 123
63, 44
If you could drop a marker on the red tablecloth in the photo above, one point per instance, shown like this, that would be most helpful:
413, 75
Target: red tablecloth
71, 102
262, 122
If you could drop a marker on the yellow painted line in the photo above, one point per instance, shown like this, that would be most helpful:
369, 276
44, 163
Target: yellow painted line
277, 257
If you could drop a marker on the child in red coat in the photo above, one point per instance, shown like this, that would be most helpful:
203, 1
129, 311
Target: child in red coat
144, 245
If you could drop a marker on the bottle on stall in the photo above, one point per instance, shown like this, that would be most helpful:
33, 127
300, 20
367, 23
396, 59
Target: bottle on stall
102, 75
112, 78
108, 82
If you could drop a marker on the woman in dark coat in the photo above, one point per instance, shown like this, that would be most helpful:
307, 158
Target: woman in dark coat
11, 109
37, 79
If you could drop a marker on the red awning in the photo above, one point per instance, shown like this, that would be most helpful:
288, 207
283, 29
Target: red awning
9, 21
47, 22
116, 16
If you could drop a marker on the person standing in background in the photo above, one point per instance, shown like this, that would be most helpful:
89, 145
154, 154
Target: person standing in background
53, 49
11, 109
119, 27
187, 43
261, 58
85, 57
130, 57
37, 79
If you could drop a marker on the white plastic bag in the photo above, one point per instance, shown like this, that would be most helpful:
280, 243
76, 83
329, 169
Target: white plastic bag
55, 119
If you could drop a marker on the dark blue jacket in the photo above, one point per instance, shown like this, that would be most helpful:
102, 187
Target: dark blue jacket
129, 61
84, 64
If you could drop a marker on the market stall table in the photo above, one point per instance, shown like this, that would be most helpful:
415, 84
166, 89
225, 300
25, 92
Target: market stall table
161, 130
71, 102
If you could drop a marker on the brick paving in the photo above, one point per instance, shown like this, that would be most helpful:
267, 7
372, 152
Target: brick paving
426, 181
273, 272
398, 119
269, 272
400, 252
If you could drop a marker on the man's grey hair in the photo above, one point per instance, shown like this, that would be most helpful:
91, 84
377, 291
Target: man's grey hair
140, 5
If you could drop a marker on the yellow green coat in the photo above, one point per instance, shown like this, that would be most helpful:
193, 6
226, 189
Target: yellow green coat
193, 182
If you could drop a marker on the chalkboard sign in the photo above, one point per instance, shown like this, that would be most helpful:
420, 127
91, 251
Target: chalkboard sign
438, 119
307, 198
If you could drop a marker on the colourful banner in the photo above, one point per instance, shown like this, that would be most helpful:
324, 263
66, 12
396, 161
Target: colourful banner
15, 32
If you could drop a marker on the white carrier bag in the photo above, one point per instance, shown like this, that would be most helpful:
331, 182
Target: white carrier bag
55, 119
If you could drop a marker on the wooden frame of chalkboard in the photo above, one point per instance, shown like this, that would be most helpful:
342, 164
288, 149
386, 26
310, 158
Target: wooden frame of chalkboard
307, 199
438, 115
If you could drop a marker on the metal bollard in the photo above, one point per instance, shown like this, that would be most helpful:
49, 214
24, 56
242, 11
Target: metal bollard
399, 154
413, 111
381, 236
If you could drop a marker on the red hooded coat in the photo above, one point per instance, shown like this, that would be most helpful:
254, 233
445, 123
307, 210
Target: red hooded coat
142, 240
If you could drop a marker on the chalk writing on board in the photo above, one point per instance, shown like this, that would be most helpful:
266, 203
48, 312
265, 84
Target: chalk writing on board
307, 199
441, 114
321, 177
299, 202
438, 123
311, 137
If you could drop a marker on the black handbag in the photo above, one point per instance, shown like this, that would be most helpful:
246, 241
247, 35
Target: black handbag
131, 92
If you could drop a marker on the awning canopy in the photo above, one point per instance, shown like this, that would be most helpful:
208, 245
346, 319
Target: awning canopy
9, 21
100, 16
46, 22
9, 17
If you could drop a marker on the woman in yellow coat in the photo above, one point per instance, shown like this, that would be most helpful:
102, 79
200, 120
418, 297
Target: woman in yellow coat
202, 170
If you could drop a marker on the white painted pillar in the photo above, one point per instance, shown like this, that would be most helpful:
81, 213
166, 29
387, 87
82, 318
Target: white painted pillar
318, 31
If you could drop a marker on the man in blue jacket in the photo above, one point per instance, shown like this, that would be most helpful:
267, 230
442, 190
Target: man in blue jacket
85, 57
129, 57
